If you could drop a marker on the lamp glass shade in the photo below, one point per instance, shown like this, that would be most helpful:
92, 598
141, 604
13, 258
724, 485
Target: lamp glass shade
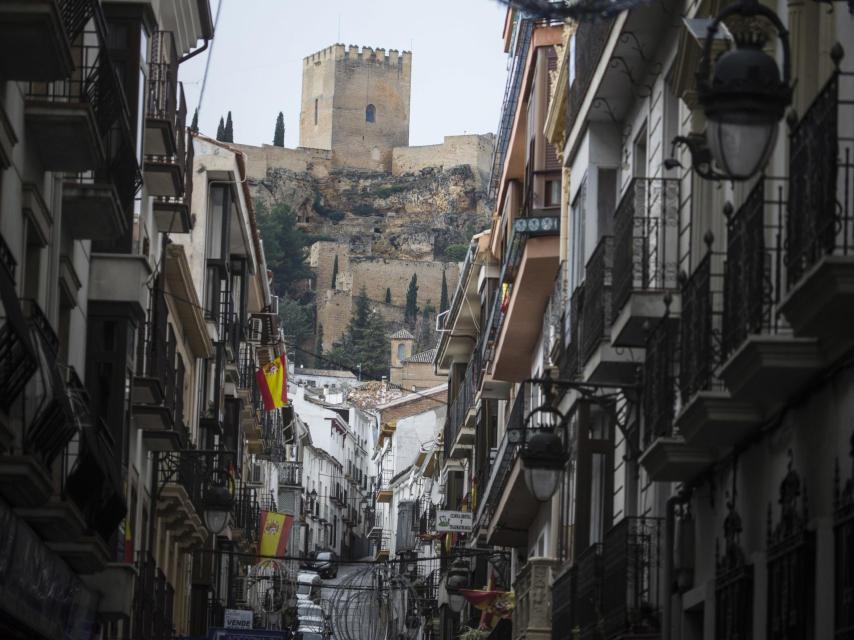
456, 601
215, 519
741, 146
542, 482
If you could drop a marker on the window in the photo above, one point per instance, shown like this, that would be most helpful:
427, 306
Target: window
401, 352
552, 197
315, 110
370, 113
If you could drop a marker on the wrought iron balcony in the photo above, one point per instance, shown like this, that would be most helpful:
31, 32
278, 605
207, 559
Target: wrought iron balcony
563, 604
646, 226
587, 609
819, 255
72, 120
572, 335
17, 359
459, 432
153, 602
700, 341
290, 474
632, 581
34, 39
660, 381
596, 310
590, 40
246, 514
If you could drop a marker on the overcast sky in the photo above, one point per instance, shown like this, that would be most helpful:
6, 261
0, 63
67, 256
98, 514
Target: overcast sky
458, 66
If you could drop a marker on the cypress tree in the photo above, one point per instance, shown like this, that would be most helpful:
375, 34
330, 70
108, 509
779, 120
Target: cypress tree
334, 270
443, 299
279, 134
194, 126
220, 130
387, 295
228, 134
410, 313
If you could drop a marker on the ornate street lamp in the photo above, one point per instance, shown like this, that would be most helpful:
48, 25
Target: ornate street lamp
542, 452
744, 97
217, 507
458, 578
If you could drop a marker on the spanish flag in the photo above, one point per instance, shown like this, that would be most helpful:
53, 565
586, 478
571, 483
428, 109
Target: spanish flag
275, 531
272, 381
494, 605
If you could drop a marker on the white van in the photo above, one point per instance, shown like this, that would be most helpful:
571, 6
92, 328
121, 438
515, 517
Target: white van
308, 587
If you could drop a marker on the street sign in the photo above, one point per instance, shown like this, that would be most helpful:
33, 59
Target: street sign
238, 619
457, 521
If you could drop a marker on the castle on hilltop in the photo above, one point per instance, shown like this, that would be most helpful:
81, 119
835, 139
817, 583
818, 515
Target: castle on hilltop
355, 103
383, 211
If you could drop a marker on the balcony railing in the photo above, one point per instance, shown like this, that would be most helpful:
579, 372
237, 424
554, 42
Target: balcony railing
290, 474
563, 605
553, 320
631, 555
588, 592
246, 513
504, 460
590, 40
699, 345
596, 310
645, 228
820, 218
572, 334
163, 78
153, 602
753, 269
18, 361
659, 376
460, 406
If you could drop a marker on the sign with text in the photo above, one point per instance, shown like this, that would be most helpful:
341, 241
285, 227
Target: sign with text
456, 521
238, 619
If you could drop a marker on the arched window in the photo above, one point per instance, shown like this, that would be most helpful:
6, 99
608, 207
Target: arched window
401, 352
370, 113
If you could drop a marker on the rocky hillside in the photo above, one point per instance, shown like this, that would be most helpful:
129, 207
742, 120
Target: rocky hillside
415, 216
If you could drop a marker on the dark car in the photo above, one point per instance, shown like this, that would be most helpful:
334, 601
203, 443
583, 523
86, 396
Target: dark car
325, 563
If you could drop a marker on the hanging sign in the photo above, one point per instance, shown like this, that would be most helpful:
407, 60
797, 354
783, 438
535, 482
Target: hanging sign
238, 619
454, 521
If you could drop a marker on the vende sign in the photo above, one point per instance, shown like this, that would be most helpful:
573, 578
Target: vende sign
238, 619
455, 521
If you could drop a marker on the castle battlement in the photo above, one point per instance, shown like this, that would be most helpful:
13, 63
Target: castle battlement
354, 53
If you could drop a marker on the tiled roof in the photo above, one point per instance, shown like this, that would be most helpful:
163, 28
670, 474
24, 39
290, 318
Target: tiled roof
403, 334
330, 373
423, 357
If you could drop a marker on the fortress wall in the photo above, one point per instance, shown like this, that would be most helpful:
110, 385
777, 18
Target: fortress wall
472, 150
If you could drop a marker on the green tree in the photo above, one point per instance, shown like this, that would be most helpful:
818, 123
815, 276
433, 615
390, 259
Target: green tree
334, 270
443, 298
387, 295
425, 335
297, 322
220, 130
364, 345
228, 133
279, 134
285, 248
194, 126
410, 312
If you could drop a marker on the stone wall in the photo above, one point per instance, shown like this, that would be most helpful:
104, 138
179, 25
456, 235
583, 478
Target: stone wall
334, 310
473, 150
338, 85
415, 375
377, 274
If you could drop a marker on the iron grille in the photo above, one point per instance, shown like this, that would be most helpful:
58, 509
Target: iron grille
699, 345
632, 563
153, 602
748, 289
659, 389
460, 406
569, 368
821, 171
588, 613
590, 40
733, 584
563, 601
645, 229
596, 312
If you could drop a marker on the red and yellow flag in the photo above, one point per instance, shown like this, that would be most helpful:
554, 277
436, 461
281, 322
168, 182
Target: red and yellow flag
495, 605
272, 381
275, 531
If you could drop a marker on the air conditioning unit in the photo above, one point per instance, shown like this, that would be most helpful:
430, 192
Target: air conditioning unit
256, 329
257, 473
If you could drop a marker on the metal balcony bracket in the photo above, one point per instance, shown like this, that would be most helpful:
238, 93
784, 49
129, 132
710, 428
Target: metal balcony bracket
603, 102
640, 89
603, 395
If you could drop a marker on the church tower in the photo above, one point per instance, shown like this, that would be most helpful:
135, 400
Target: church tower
356, 104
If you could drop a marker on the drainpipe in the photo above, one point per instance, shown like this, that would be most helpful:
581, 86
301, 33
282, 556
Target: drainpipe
193, 54
681, 497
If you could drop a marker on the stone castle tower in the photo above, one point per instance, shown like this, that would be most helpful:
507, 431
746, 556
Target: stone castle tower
356, 104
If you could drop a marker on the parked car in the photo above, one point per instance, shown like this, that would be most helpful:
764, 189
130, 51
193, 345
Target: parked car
324, 562
308, 587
